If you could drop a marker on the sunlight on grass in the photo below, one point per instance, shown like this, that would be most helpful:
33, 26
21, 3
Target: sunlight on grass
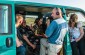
30, 21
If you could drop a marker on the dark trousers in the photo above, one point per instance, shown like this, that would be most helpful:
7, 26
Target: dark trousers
78, 47
21, 50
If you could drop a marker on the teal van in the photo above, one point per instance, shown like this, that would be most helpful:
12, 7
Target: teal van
30, 10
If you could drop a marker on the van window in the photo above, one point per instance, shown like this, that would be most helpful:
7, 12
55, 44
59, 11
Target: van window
81, 16
5, 20
30, 19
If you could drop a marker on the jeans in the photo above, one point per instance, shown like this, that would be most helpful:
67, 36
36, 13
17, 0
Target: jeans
78, 47
21, 50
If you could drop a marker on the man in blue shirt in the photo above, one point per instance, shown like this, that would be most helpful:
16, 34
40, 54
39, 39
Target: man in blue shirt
55, 33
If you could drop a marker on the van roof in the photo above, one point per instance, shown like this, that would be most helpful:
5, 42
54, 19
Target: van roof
26, 3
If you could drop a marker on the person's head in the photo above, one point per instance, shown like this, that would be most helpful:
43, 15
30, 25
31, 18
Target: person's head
73, 20
56, 13
19, 19
38, 21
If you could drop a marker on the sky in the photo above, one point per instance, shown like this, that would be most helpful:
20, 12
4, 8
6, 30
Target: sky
73, 3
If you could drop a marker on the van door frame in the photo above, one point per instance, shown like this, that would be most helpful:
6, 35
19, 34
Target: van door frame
3, 49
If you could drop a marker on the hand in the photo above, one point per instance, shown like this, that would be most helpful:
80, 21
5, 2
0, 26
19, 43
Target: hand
33, 46
44, 36
20, 22
77, 39
38, 35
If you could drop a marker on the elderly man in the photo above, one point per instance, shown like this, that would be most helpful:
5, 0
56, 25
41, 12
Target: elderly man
54, 34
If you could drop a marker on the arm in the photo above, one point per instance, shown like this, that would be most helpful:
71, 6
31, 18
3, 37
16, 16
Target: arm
44, 36
35, 30
79, 25
81, 34
50, 29
29, 43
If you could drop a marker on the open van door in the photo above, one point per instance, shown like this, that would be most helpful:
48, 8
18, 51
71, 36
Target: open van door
7, 29
66, 45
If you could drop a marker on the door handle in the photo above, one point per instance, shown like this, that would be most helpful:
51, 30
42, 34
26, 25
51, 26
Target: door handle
9, 42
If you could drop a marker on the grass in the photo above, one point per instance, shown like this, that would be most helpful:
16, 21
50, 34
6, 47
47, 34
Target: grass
30, 21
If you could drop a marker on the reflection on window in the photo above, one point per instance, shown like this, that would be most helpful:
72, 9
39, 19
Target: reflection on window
3, 19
